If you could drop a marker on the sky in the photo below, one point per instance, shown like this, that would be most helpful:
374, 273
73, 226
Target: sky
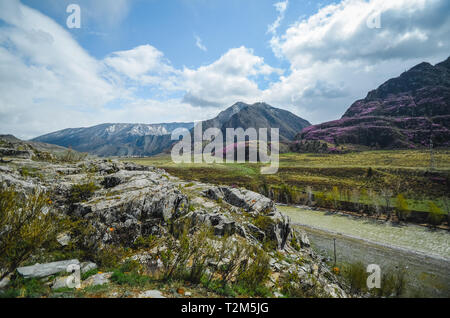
154, 61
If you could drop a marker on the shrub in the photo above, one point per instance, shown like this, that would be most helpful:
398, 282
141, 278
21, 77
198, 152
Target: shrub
320, 199
145, 242
110, 256
386, 195
286, 194
184, 249
82, 192
292, 286
435, 215
70, 156
129, 274
89, 273
256, 273
84, 240
27, 224
356, 276
295, 243
401, 207
24, 172
335, 197
29, 288
369, 173
263, 222
176, 256
393, 283
201, 251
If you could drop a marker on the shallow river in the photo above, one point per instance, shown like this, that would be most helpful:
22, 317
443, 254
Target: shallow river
425, 253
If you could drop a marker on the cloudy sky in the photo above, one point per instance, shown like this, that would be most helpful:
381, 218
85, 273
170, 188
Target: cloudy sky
152, 61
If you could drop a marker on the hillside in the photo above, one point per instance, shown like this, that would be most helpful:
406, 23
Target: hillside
258, 115
135, 231
404, 112
116, 139
151, 139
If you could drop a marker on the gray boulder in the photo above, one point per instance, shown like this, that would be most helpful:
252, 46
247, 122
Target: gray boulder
44, 270
87, 266
248, 200
97, 279
10, 152
151, 294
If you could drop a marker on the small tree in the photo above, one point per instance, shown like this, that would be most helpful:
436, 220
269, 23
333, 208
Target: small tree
373, 200
435, 215
447, 208
401, 207
309, 193
335, 197
355, 198
386, 195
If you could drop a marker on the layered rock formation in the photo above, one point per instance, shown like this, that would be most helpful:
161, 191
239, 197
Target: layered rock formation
409, 111
131, 201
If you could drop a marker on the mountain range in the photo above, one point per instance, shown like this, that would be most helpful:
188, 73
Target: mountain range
258, 115
116, 139
150, 139
409, 111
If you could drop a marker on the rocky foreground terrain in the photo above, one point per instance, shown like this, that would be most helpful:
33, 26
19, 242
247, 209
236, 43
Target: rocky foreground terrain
155, 220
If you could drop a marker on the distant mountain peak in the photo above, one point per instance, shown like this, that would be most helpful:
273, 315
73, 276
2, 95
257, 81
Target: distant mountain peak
258, 115
117, 139
126, 139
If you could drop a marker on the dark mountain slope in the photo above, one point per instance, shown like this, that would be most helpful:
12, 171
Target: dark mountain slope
404, 112
259, 115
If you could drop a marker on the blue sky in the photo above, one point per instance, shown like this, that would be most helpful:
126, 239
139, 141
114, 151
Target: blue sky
171, 26
153, 61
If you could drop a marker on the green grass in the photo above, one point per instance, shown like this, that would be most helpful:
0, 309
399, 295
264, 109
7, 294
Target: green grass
403, 171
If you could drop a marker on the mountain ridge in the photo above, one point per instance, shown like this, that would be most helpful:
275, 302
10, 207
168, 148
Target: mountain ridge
122, 139
258, 115
408, 111
116, 139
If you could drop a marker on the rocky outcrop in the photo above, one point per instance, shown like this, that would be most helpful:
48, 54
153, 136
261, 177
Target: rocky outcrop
126, 202
44, 270
248, 200
8, 152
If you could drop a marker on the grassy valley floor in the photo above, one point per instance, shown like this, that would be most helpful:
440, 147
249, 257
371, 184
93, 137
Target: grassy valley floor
354, 175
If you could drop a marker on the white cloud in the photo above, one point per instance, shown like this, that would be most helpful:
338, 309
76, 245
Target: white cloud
145, 65
281, 9
199, 44
409, 28
230, 78
49, 82
335, 58
43, 72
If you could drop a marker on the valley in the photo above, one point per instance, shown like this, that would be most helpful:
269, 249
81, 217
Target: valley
336, 180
